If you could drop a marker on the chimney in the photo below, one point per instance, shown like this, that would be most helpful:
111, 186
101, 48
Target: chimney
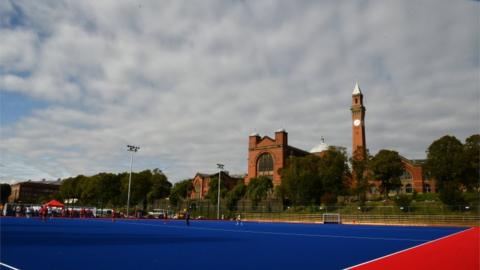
281, 137
253, 140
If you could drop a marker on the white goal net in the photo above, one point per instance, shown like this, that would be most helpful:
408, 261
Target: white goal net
332, 218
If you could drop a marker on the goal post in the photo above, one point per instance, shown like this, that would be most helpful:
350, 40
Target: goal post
331, 218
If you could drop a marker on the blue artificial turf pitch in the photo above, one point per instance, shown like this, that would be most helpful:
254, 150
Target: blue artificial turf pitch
155, 244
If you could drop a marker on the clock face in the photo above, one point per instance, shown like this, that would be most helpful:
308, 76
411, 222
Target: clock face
356, 122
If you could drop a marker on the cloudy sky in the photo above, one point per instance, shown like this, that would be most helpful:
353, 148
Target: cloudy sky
188, 81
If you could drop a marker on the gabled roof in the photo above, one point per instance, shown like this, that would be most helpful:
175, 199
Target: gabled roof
296, 151
414, 162
215, 174
265, 140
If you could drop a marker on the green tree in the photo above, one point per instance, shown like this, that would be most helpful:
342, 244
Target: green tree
387, 167
471, 178
446, 164
71, 188
140, 187
314, 179
258, 189
90, 191
334, 173
160, 186
360, 175
180, 191
212, 193
403, 201
111, 189
108, 189
451, 195
5, 191
301, 180
235, 195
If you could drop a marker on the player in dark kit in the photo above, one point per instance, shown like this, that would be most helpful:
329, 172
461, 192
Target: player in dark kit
187, 218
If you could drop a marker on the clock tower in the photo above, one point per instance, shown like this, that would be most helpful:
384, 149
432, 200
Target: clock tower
358, 124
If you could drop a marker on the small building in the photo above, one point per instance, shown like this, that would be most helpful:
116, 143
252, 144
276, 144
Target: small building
32, 191
201, 183
414, 178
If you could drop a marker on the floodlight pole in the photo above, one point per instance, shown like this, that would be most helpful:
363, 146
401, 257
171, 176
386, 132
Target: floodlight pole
220, 168
130, 148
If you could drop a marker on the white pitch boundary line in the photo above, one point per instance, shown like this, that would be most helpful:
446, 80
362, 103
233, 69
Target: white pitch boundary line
404, 250
8, 266
280, 233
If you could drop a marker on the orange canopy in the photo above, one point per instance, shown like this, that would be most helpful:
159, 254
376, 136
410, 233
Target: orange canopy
54, 203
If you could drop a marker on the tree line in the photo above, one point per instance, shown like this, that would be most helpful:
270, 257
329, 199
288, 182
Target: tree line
322, 179
305, 180
108, 189
453, 165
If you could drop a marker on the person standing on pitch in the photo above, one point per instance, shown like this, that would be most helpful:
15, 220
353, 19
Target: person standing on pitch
187, 218
239, 220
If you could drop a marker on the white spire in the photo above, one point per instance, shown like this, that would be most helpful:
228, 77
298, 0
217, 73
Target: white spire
356, 90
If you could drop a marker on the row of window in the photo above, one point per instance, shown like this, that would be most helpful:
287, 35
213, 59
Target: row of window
408, 188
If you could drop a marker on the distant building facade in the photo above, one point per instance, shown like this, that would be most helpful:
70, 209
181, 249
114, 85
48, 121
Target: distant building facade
266, 156
31, 191
414, 178
201, 183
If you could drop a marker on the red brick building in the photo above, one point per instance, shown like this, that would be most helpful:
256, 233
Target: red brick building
201, 183
31, 191
414, 179
266, 156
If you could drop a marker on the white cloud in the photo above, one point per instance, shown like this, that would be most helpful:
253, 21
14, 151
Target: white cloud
17, 50
189, 81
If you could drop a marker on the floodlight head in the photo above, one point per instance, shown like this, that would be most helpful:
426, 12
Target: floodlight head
133, 148
220, 166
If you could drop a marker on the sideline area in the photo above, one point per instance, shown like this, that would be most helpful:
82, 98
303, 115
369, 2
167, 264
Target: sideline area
457, 251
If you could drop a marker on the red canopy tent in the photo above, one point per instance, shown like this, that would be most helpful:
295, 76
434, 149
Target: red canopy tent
54, 203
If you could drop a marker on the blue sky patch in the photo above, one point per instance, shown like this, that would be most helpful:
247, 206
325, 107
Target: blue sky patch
14, 106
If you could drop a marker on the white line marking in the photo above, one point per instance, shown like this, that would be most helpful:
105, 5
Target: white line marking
280, 233
8, 266
395, 253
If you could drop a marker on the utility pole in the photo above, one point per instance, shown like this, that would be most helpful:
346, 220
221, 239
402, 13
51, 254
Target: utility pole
132, 149
220, 168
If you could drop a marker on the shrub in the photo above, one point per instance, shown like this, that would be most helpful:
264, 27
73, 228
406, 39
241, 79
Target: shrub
403, 201
426, 197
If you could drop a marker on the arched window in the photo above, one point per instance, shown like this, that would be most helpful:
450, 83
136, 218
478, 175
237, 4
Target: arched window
408, 188
406, 175
265, 165
198, 190
407, 181
426, 188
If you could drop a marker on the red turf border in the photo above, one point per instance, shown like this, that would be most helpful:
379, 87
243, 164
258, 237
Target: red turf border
457, 251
